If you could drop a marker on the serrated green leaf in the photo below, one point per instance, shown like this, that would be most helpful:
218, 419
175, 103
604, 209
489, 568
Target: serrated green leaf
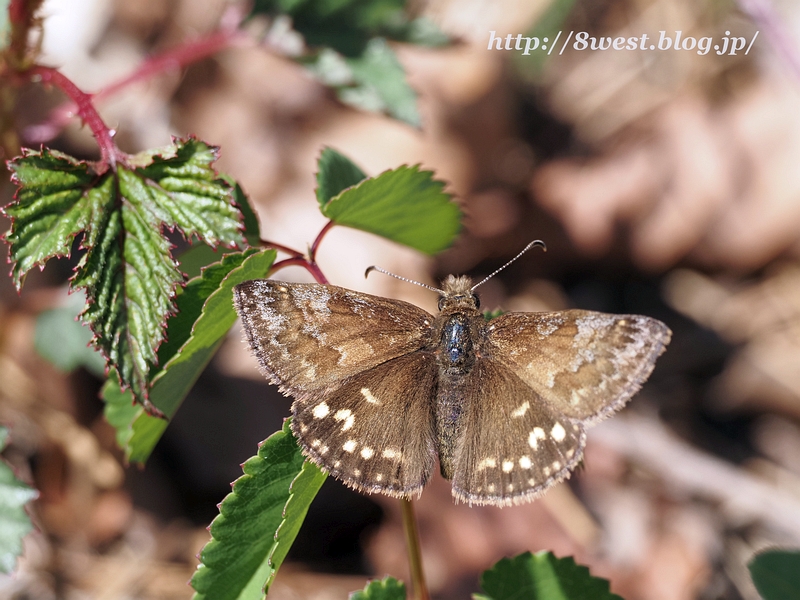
542, 576
199, 255
404, 204
303, 490
252, 229
14, 521
387, 588
258, 520
205, 314
776, 574
52, 206
335, 173
128, 272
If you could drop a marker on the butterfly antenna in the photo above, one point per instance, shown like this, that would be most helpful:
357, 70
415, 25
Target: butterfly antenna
385, 272
539, 243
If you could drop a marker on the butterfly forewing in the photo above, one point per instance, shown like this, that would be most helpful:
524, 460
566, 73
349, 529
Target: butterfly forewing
514, 445
584, 364
375, 432
310, 337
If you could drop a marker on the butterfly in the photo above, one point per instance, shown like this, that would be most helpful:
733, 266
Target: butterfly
382, 388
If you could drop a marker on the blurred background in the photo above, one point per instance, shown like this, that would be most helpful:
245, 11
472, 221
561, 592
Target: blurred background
664, 183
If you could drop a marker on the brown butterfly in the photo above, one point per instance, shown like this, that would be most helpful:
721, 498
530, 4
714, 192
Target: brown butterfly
382, 388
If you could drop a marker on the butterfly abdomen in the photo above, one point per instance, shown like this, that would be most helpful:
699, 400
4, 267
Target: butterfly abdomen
456, 359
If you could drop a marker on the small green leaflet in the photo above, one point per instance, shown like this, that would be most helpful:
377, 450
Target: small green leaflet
387, 588
258, 521
405, 205
128, 272
14, 521
205, 314
335, 173
542, 576
776, 573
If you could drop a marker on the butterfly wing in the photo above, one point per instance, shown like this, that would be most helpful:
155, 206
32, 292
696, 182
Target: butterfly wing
375, 432
354, 364
513, 445
309, 337
585, 364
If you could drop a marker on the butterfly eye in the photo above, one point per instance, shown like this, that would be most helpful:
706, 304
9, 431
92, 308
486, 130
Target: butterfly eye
441, 302
477, 300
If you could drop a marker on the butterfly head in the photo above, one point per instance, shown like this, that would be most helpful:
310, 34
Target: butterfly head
457, 294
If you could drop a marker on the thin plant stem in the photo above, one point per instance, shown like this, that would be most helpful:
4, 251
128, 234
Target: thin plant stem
290, 251
418, 586
313, 252
109, 153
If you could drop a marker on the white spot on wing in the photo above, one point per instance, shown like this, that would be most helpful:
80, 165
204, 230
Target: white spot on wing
525, 462
368, 396
346, 415
349, 446
534, 437
487, 463
367, 452
321, 411
391, 453
508, 466
521, 409
558, 432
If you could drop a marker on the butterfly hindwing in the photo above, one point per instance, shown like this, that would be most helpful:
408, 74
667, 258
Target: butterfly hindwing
585, 364
513, 445
310, 337
374, 432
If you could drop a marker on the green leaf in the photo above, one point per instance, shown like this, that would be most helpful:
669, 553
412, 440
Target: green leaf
776, 574
404, 204
348, 25
303, 490
373, 81
205, 314
60, 339
258, 521
336, 173
14, 521
542, 576
387, 588
128, 273
381, 85
199, 255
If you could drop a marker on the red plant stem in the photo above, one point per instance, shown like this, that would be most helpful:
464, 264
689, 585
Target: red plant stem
291, 252
300, 261
313, 252
109, 153
172, 59
176, 58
